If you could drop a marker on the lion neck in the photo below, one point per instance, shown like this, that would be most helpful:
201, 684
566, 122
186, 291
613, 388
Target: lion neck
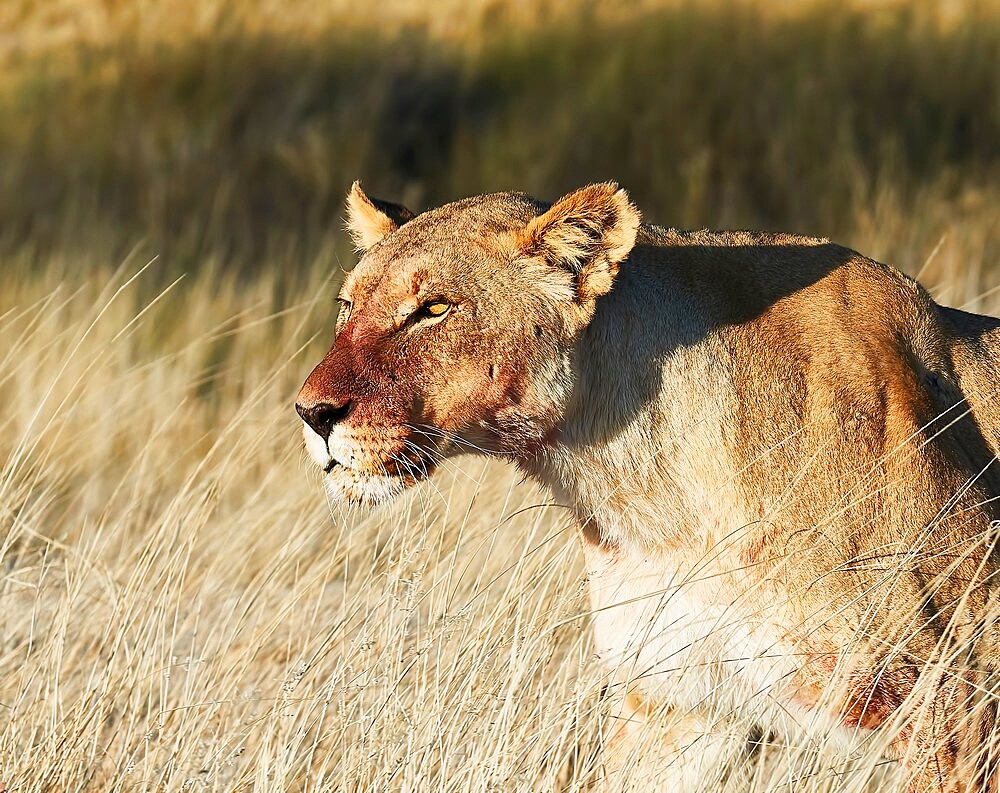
639, 454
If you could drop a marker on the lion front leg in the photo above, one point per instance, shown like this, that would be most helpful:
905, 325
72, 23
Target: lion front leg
658, 749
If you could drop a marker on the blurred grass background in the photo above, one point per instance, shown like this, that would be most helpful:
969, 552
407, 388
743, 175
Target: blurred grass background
230, 130
177, 609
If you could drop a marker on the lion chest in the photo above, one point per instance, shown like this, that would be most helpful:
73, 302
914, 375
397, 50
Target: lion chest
680, 633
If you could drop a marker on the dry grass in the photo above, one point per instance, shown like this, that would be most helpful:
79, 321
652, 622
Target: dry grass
178, 611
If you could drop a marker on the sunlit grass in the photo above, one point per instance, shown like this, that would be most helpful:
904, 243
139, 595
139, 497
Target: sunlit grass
180, 608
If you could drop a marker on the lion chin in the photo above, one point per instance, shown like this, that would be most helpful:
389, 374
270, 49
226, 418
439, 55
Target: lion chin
347, 486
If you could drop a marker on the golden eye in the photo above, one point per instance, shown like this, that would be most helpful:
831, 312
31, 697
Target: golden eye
437, 309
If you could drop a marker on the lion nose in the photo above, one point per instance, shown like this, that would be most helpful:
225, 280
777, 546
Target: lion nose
323, 415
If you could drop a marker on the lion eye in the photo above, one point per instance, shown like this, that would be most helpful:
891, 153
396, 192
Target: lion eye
429, 313
437, 309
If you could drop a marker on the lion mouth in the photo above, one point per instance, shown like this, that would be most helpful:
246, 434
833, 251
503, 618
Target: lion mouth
390, 478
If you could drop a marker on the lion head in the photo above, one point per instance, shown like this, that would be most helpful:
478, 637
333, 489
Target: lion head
455, 332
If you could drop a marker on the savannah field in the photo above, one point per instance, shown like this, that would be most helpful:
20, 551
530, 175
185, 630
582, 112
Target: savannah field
180, 609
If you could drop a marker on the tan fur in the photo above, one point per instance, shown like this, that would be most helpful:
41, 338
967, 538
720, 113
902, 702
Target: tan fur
780, 454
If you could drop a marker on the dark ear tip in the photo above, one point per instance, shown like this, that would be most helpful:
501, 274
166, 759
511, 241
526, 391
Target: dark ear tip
397, 212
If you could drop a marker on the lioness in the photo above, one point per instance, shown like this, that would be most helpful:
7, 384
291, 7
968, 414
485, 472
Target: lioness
779, 454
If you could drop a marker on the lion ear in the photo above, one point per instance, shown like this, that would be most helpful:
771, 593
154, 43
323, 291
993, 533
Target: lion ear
589, 232
370, 220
